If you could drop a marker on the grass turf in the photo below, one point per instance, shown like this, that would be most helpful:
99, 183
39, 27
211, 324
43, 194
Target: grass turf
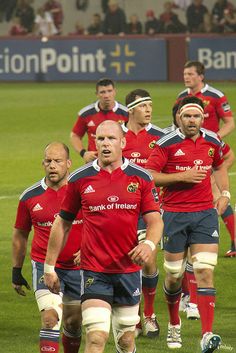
33, 115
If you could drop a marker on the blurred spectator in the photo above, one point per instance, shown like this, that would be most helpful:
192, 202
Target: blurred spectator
181, 4
104, 5
196, 14
169, 21
44, 25
55, 8
230, 21
7, 8
79, 29
82, 5
219, 10
134, 26
115, 19
16, 28
152, 25
96, 27
26, 14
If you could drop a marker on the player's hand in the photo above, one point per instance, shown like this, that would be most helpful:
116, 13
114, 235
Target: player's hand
18, 281
77, 258
193, 175
51, 280
90, 156
140, 254
221, 204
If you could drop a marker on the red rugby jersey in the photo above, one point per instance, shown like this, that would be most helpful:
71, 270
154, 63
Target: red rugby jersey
139, 146
216, 106
38, 207
91, 116
111, 204
175, 153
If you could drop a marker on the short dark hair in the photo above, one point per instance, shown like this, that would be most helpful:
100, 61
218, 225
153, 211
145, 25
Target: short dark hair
105, 82
189, 100
200, 68
131, 96
175, 109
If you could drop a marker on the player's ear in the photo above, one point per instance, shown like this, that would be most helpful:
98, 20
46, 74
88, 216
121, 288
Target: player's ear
69, 163
123, 142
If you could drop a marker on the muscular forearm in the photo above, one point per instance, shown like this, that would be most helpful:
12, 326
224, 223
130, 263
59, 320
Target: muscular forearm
226, 128
76, 142
57, 240
19, 247
221, 178
154, 227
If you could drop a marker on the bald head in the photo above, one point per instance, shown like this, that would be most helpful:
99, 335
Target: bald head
110, 141
58, 146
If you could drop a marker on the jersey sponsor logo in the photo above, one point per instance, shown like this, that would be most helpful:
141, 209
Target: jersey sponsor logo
138, 160
198, 162
226, 107
37, 207
211, 152
136, 293
89, 189
200, 167
132, 187
215, 234
155, 194
91, 123
113, 206
179, 153
47, 349
152, 144
89, 282
113, 198
135, 154
45, 224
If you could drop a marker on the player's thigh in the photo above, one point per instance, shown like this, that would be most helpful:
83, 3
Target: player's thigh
175, 233
205, 228
70, 282
127, 288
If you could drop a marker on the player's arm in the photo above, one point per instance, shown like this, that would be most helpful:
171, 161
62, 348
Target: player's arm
222, 181
77, 143
192, 175
227, 127
57, 240
229, 158
19, 248
143, 251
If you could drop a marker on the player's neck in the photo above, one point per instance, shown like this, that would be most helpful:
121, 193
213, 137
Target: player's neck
112, 166
103, 106
135, 127
55, 186
197, 89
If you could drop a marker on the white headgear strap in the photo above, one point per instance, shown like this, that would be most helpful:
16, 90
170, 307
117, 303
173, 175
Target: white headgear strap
138, 102
190, 106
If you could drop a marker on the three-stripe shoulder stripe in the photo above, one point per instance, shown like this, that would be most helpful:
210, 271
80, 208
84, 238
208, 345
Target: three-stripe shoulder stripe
215, 90
80, 170
29, 189
141, 169
184, 92
122, 107
167, 137
85, 109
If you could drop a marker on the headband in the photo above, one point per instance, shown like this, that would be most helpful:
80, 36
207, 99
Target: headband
191, 106
138, 102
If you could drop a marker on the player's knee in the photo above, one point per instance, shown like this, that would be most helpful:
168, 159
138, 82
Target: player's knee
72, 324
97, 339
96, 319
175, 268
124, 320
50, 305
50, 319
204, 260
126, 342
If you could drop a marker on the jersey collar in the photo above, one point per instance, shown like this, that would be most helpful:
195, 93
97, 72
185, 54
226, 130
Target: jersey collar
125, 129
180, 134
204, 89
98, 109
43, 184
122, 167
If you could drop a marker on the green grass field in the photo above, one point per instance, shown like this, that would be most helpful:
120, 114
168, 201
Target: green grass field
33, 115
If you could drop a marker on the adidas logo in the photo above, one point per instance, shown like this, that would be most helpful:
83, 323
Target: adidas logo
136, 293
215, 234
37, 207
91, 123
179, 153
89, 189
